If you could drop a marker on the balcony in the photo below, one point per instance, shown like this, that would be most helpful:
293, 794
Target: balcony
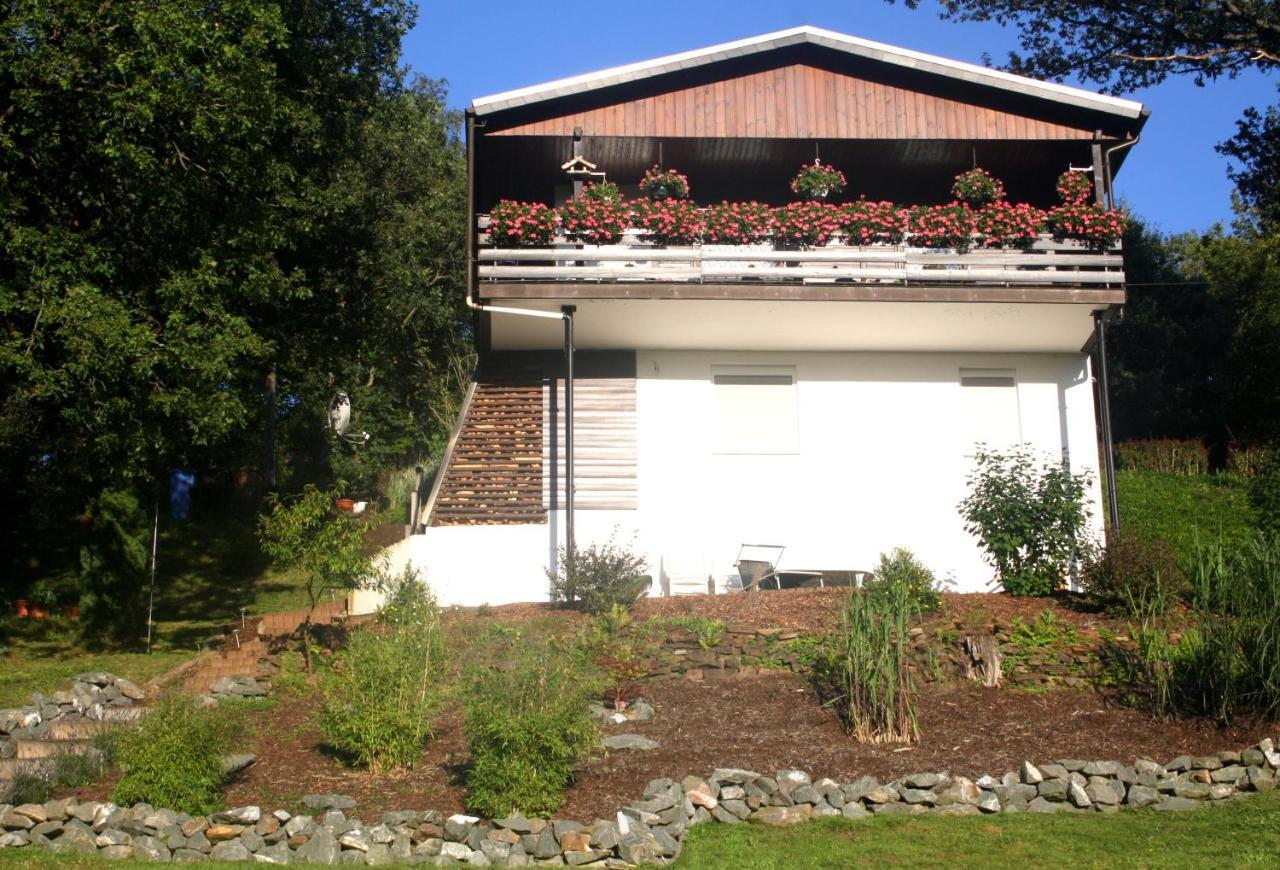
634, 268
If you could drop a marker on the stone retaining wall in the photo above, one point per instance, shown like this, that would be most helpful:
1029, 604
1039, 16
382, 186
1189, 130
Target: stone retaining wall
94, 696
646, 831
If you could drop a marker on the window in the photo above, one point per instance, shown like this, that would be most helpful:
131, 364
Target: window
755, 409
990, 411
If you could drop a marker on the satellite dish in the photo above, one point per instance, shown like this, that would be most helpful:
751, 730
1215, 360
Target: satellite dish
340, 419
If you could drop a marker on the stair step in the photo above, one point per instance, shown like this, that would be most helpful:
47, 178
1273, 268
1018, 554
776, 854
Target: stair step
76, 729
32, 749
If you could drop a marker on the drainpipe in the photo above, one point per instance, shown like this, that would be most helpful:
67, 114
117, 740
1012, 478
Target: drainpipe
1106, 163
565, 314
1104, 408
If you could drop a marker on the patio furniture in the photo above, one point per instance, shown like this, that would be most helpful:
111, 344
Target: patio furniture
762, 571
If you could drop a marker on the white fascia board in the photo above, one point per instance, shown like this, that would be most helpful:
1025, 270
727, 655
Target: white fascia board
877, 51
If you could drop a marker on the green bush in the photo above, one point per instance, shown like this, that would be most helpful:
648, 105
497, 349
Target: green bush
173, 757
863, 670
902, 568
526, 717
27, 788
1264, 493
380, 698
77, 769
1130, 570
597, 577
1181, 510
1226, 662
1028, 514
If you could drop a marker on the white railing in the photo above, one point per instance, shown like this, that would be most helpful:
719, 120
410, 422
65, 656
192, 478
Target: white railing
1046, 263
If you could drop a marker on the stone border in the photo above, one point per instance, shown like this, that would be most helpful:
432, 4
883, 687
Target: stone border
646, 831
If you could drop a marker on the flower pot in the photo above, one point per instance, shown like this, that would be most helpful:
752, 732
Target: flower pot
72, 611
345, 504
20, 608
38, 611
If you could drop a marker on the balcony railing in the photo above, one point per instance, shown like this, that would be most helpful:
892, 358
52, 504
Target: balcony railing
1047, 263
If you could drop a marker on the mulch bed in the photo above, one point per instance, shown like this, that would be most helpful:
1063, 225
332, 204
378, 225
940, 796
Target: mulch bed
765, 723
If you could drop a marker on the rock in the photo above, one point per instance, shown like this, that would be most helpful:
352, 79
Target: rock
959, 791
14, 839
783, 816
456, 851
1232, 773
1142, 796
989, 803
34, 812
276, 853
604, 835
629, 741
233, 764
218, 833
321, 848
321, 802
239, 816
885, 794
232, 850
95, 678
130, 689
1052, 789
1206, 762
855, 791
150, 849
854, 810
357, 839
919, 796
15, 821
699, 792
1106, 792
1174, 804
575, 841
1181, 763
639, 710
1196, 791
1031, 774
1102, 768
806, 794
921, 780
577, 857
77, 842
898, 809
1054, 771
1078, 796
1040, 805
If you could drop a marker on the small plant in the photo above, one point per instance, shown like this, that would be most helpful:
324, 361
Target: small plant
661, 183
379, 701
485, 609
806, 223
305, 533
977, 187
668, 221
738, 223
1163, 456
902, 568
817, 181
1264, 493
1029, 516
519, 224
1132, 569
871, 223
77, 769
28, 788
1003, 225
597, 221
602, 191
1081, 218
623, 668
597, 577
940, 226
865, 670
526, 716
611, 622
173, 758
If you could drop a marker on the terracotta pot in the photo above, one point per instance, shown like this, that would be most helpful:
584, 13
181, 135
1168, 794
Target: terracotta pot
38, 612
345, 504
20, 608
73, 611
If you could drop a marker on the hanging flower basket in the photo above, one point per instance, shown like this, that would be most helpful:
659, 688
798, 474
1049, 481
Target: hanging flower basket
977, 187
817, 181
1075, 187
659, 184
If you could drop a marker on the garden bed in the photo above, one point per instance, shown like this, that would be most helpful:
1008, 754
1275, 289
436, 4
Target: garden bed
767, 722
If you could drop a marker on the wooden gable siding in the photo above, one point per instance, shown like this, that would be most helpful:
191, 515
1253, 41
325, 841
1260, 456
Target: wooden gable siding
798, 101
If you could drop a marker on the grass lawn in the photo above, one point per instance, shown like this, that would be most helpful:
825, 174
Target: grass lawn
1179, 508
1242, 832
36, 668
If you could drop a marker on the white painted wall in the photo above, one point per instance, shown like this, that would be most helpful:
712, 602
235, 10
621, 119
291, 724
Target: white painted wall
883, 450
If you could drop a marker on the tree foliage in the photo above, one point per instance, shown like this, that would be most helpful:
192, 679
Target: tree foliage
191, 192
1128, 45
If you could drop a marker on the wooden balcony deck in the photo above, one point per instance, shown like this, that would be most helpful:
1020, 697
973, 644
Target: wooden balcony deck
1048, 264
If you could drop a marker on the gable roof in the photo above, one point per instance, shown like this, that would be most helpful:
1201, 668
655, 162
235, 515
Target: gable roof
806, 34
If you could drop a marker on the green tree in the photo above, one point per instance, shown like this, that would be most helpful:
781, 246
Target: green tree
307, 534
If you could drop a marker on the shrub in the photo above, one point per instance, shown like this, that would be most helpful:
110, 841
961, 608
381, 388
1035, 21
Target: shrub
598, 221
1028, 515
1001, 225
77, 769
1163, 455
977, 187
668, 221
902, 568
526, 717
173, 758
864, 670
1264, 493
940, 226
521, 223
1227, 662
738, 223
664, 184
1180, 509
597, 577
868, 223
381, 697
1130, 570
27, 788
805, 223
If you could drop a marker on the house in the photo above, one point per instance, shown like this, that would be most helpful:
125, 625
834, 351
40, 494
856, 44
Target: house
825, 397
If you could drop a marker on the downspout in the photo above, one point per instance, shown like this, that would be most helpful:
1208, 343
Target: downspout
1104, 408
1106, 164
565, 314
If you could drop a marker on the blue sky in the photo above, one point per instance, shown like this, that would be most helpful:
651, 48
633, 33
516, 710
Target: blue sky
1174, 178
